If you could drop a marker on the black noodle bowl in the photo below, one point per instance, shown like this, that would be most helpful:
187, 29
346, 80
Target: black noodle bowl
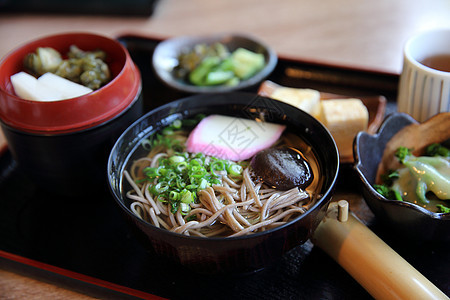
232, 254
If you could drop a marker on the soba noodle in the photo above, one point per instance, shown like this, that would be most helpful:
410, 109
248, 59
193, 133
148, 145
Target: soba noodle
239, 205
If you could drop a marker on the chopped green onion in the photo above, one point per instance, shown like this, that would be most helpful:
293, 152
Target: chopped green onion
177, 159
215, 181
186, 197
196, 162
146, 144
167, 131
199, 155
151, 172
192, 186
181, 166
177, 124
161, 187
234, 169
179, 177
203, 184
191, 218
180, 183
217, 166
185, 208
174, 205
174, 195
171, 175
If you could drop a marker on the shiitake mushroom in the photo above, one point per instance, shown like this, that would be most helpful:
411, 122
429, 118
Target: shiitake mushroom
283, 168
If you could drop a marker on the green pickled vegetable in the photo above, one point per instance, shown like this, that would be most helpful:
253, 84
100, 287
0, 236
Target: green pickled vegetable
218, 77
85, 67
45, 60
69, 69
215, 65
76, 52
246, 63
197, 76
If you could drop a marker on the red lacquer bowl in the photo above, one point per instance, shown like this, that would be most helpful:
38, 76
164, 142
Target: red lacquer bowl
77, 113
63, 145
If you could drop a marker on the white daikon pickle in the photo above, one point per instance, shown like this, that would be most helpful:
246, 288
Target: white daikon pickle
27, 87
67, 88
48, 87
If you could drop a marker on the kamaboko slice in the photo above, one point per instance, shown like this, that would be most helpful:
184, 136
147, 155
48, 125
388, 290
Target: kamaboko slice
232, 138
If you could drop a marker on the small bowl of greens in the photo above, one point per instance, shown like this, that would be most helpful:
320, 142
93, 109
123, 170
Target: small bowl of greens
405, 176
208, 64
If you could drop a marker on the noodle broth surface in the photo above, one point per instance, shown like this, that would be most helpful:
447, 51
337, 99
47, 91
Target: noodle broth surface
239, 205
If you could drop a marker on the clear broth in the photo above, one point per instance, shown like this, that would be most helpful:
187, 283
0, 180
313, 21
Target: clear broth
314, 190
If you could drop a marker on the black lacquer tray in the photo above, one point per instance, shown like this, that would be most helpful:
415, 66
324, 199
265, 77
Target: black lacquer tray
84, 243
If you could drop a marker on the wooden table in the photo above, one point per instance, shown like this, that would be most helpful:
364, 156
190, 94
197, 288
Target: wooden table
362, 34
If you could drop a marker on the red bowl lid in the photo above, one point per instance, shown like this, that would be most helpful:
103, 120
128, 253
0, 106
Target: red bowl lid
77, 113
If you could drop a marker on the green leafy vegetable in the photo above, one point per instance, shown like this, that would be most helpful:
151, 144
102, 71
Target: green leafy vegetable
388, 192
437, 150
390, 177
402, 153
443, 209
419, 177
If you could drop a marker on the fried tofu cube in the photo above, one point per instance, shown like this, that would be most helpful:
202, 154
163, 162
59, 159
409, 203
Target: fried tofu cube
344, 118
307, 100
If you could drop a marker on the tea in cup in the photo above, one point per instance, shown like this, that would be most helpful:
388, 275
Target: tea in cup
424, 88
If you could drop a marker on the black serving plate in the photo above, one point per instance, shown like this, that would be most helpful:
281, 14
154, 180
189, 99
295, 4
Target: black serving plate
84, 243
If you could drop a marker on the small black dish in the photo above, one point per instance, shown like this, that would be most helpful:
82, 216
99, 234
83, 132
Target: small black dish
234, 254
406, 220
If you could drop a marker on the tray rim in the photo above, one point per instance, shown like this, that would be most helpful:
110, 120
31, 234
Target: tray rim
85, 279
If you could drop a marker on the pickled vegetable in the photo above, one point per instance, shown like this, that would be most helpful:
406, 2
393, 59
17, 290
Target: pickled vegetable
207, 65
246, 63
85, 67
191, 59
45, 60
48, 87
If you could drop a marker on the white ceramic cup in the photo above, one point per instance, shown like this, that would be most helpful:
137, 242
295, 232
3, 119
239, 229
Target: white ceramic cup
424, 91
